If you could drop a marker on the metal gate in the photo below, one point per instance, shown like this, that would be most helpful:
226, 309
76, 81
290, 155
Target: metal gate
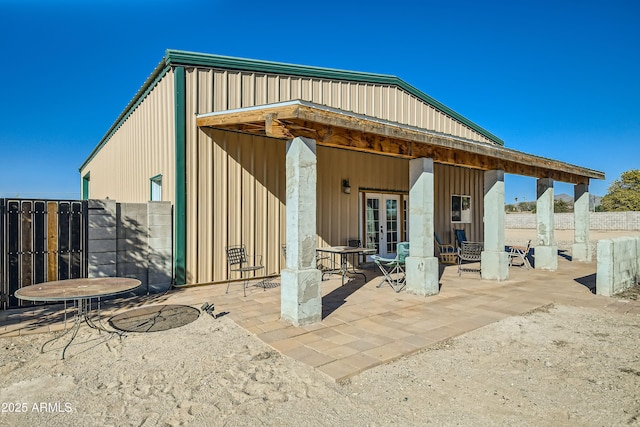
40, 241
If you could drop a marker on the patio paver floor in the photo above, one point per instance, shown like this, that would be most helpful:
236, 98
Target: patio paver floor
364, 326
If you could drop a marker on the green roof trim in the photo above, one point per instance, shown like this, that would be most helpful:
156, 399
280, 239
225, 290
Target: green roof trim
178, 57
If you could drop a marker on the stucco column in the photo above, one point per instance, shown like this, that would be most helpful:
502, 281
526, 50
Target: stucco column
494, 260
546, 252
581, 247
301, 298
421, 265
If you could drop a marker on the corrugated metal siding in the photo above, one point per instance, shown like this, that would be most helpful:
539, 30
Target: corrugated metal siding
141, 148
237, 198
450, 180
242, 198
244, 89
236, 183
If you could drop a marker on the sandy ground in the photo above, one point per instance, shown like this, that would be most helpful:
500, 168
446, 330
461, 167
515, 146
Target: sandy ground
557, 366
553, 367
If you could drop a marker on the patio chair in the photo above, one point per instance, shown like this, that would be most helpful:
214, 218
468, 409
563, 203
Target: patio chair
469, 252
393, 268
461, 236
521, 253
446, 252
237, 259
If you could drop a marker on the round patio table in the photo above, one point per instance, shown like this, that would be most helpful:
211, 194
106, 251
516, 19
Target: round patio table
81, 292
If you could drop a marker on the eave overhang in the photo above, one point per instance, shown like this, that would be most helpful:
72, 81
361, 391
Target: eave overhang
332, 127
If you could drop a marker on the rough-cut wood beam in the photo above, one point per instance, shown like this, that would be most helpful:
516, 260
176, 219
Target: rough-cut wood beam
241, 116
341, 129
275, 128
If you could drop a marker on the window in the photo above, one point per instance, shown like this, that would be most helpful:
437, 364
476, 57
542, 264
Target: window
156, 188
461, 209
85, 186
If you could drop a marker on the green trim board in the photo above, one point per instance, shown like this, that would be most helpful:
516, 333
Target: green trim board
180, 208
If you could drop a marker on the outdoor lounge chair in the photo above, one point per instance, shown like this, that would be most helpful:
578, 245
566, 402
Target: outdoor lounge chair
447, 253
461, 236
393, 268
521, 253
237, 259
469, 252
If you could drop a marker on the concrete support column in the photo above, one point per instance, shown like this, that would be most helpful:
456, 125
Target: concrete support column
546, 251
494, 260
301, 298
581, 247
421, 265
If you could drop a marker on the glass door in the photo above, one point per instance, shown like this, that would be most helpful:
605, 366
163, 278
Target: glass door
382, 223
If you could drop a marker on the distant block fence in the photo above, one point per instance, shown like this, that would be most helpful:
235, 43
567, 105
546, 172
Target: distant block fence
565, 221
131, 240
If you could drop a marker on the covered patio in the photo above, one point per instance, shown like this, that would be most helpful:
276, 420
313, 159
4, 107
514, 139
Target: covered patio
305, 125
364, 326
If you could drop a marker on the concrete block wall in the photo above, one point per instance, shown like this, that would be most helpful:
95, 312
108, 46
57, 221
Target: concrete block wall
101, 242
133, 251
132, 240
618, 266
160, 246
565, 221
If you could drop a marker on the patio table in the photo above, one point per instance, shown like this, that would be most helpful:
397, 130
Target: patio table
345, 252
81, 292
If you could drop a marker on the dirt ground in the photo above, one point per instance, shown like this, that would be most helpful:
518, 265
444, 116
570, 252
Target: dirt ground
557, 366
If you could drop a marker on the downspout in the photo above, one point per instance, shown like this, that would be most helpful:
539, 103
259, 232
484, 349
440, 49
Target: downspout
180, 105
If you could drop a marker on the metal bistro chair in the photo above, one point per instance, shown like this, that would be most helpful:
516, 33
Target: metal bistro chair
469, 252
237, 259
393, 268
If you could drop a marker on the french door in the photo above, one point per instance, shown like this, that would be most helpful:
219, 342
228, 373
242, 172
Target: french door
382, 213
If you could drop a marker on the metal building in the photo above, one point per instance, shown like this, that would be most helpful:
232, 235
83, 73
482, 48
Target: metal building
210, 134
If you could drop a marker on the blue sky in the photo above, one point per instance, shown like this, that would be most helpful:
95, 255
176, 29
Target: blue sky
559, 79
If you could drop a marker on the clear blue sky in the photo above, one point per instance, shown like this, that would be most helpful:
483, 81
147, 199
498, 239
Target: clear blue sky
559, 79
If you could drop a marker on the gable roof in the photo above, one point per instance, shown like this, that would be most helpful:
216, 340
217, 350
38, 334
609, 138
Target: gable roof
175, 58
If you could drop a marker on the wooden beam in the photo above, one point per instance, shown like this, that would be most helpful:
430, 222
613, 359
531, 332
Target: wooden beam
253, 114
351, 131
275, 128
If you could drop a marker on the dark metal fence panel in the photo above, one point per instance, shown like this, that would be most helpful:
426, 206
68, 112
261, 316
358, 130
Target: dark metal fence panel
41, 241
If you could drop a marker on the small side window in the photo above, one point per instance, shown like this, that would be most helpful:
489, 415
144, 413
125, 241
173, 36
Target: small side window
156, 188
461, 209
